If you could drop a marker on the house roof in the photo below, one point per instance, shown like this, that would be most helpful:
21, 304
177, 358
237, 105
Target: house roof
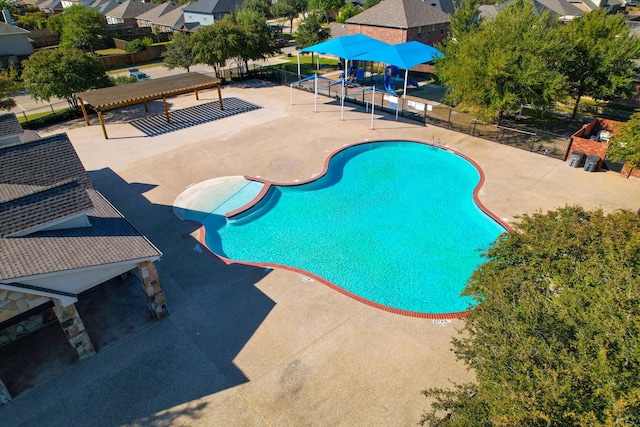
173, 19
9, 125
556, 7
6, 29
153, 14
130, 9
104, 6
402, 14
213, 6
43, 182
110, 239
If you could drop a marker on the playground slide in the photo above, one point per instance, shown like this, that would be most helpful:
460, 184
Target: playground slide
391, 72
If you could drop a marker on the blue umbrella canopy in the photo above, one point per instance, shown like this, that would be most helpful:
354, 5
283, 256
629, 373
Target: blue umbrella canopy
347, 47
404, 55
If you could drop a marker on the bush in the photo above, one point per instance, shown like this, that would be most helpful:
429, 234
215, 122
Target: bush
121, 80
136, 45
51, 119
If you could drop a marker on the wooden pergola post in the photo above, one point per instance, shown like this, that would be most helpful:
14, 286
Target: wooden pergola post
104, 129
166, 110
197, 98
84, 112
220, 97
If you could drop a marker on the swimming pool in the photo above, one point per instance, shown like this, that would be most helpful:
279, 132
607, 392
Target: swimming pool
391, 222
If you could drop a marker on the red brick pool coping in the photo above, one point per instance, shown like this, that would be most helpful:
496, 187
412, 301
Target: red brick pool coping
269, 184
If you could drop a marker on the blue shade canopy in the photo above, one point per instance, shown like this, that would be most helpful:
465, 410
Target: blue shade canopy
404, 55
347, 47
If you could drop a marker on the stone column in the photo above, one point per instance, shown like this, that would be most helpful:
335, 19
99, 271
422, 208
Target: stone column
5, 396
153, 289
74, 330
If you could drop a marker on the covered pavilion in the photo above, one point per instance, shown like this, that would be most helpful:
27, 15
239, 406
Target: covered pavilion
364, 48
110, 98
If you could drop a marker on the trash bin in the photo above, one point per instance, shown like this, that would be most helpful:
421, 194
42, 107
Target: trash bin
575, 161
591, 163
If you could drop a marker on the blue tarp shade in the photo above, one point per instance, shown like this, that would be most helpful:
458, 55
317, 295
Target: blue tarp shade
347, 47
404, 55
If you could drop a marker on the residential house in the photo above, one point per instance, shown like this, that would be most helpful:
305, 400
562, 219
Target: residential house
399, 21
14, 42
59, 237
166, 17
105, 6
563, 9
69, 3
206, 12
127, 11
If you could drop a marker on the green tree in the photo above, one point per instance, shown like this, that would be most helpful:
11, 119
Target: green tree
465, 19
598, 59
503, 63
625, 142
10, 6
210, 46
311, 32
55, 23
554, 339
32, 20
8, 85
289, 9
327, 7
179, 53
62, 72
250, 37
81, 27
347, 12
263, 7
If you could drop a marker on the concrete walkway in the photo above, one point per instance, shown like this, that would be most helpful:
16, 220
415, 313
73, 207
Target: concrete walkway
251, 347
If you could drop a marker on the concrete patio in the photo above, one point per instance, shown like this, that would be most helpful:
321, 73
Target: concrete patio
245, 346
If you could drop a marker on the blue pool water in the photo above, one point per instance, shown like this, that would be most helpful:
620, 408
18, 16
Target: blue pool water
392, 222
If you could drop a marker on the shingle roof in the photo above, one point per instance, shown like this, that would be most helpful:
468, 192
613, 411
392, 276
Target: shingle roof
174, 18
556, 7
130, 9
39, 164
43, 206
9, 125
6, 29
401, 14
110, 239
213, 6
104, 6
158, 11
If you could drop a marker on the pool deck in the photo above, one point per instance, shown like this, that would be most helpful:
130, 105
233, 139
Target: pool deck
246, 346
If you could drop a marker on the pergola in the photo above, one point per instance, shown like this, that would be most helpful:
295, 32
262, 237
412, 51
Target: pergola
110, 98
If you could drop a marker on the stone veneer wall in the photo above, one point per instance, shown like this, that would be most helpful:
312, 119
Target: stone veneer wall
15, 303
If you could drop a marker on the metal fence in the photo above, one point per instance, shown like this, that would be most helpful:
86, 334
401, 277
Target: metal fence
434, 113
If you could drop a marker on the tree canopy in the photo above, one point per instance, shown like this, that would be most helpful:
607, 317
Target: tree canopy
311, 31
8, 85
179, 53
326, 7
625, 142
598, 58
81, 27
289, 9
554, 339
502, 63
60, 73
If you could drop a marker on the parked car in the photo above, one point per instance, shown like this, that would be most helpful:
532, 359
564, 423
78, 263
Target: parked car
139, 75
279, 43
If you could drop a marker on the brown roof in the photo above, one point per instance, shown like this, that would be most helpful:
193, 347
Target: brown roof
43, 183
110, 239
135, 93
402, 14
130, 9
